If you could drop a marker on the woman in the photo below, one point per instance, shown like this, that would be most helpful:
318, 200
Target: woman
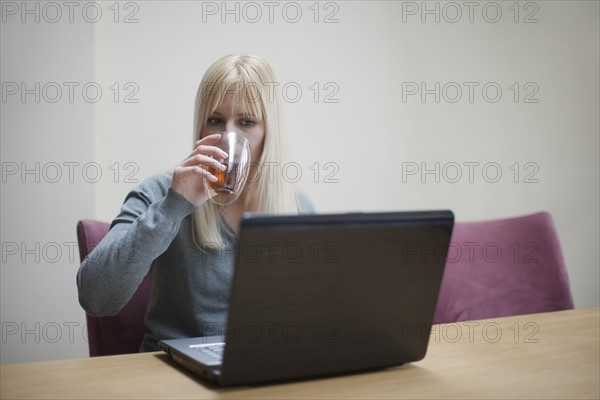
168, 228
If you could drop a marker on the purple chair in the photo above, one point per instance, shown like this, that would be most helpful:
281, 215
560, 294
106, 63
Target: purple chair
122, 333
502, 268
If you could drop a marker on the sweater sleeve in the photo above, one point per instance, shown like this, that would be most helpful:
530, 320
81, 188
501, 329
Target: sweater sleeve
145, 227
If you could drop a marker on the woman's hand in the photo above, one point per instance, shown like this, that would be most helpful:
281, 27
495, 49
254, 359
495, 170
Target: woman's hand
190, 174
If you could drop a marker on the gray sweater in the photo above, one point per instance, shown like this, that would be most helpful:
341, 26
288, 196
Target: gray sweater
153, 234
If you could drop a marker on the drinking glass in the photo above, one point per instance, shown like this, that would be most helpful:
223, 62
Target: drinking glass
230, 181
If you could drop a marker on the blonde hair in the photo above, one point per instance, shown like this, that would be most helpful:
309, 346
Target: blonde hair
250, 77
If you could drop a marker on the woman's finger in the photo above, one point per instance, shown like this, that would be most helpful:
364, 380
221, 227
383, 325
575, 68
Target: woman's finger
185, 171
213, 138
202, 160
209, 150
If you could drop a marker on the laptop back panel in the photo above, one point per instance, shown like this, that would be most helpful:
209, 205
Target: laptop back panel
316, 295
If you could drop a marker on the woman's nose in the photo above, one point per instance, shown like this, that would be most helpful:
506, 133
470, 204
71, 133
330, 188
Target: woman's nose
230, 126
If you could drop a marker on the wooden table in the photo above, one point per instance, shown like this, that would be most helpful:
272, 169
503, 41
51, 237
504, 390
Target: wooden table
550, 355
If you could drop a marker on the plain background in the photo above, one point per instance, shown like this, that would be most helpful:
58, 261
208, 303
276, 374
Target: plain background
358, 136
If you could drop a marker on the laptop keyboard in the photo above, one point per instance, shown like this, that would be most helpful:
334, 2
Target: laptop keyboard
212, 350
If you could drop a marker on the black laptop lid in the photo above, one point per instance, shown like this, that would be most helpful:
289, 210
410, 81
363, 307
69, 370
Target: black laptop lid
323, 294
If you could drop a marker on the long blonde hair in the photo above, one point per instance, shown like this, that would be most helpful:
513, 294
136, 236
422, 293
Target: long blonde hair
253, 80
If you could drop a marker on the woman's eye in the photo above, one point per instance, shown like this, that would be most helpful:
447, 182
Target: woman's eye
247, 122
214, 121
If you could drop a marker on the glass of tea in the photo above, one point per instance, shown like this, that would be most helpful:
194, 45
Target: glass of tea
230, 181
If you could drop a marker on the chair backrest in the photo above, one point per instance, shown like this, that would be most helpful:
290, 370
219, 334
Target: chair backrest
502, 268
122, 333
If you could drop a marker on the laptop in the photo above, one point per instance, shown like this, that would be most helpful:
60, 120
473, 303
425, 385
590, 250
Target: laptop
316, 295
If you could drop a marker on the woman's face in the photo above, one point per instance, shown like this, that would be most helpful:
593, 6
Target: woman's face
232, 115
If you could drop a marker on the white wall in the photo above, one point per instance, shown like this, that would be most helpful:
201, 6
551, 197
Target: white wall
53, 138
371, 133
